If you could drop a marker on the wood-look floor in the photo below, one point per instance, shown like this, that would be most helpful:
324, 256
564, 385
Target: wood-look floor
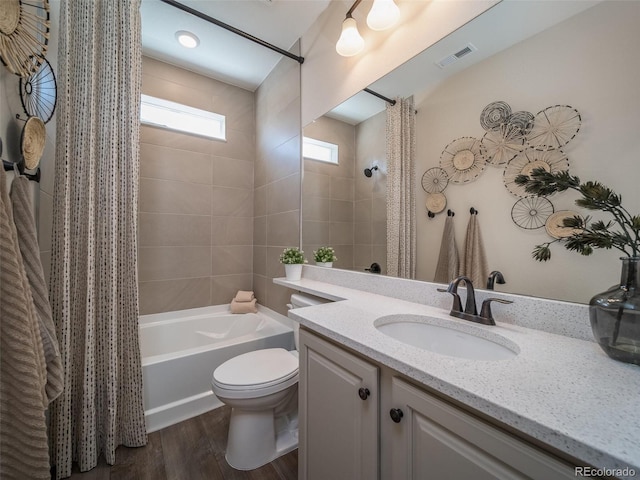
190, 450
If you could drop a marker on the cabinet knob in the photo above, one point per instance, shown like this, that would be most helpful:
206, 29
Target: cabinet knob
396, 414
364, 393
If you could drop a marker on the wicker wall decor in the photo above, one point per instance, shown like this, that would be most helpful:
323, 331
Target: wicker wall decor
38, 93
494, 115
528, 160
531, 212
24, 35
554, 127
503, 144
463, 160
435, 180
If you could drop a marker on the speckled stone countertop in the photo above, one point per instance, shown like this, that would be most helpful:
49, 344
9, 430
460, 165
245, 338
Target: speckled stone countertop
560, 390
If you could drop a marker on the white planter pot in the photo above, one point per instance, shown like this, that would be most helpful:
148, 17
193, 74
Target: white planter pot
293, 272
324, 264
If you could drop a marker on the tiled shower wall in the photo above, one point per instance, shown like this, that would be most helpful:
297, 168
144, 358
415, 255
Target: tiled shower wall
277, 180
196, 197
328, 193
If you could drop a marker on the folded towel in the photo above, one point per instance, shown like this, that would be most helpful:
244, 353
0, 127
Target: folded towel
244, 296
244, 307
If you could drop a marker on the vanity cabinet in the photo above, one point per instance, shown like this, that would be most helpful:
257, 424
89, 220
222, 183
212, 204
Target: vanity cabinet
398, 431
338, 414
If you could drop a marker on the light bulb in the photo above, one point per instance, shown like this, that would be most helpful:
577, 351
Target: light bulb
187, 39
384, 14
350, 42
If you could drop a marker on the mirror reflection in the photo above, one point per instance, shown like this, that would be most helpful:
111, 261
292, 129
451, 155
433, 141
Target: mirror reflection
530, 55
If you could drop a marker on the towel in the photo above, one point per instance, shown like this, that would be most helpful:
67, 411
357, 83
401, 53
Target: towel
448, 260
24, 451
244, 296
30, 252
475, 259
244, 307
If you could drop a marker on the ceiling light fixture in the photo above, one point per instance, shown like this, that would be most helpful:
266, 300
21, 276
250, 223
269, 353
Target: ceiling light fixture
384, 14
187, 39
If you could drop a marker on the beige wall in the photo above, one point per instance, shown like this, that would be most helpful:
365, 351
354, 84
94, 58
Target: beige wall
328, 194
276, 207
589, 62
196, 197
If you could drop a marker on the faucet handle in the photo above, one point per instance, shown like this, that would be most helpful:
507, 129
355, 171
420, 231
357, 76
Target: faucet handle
457, 303
485, 311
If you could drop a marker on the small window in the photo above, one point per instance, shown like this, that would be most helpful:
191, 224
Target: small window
318, 150
175, 116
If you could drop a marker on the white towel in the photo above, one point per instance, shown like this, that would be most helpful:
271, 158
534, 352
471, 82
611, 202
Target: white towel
475, 259
448, 260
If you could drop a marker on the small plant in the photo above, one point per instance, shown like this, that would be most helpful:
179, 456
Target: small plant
588, 234
325, 255
292, 256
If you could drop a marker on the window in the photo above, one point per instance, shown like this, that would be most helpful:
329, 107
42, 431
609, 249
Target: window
318, 150
174, 116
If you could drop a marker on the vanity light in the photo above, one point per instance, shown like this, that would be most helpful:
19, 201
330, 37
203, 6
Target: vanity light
384, 14
187, 39
350, 42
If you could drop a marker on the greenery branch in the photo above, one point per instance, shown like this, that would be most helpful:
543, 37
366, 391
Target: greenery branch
588, 235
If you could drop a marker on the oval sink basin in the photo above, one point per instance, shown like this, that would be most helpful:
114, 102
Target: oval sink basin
428, 333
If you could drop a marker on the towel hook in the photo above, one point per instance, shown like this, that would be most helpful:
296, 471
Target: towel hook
450, 213
473, 211
430, 214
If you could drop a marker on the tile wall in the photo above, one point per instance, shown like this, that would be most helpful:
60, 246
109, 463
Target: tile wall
196, 197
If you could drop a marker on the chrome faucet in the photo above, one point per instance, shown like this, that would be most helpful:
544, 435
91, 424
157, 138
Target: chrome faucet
470, 311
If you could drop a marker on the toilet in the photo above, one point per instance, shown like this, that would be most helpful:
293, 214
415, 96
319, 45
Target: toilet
261, 387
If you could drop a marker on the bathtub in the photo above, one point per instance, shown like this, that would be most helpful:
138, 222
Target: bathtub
180, 350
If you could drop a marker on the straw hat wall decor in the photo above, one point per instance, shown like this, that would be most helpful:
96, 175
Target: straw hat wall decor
32, 142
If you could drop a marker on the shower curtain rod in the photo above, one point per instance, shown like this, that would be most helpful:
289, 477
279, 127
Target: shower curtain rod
376, 94
235, 30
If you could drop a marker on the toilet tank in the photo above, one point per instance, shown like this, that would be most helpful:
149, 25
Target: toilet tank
299, 300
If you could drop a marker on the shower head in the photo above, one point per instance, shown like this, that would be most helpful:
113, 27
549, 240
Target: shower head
369, 171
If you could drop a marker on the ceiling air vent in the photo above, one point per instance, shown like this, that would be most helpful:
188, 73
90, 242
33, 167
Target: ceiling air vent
448, 60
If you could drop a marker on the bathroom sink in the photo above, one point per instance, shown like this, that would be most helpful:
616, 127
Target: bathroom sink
430, 333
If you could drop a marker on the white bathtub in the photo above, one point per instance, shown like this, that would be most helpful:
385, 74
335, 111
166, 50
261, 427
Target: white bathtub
180, 350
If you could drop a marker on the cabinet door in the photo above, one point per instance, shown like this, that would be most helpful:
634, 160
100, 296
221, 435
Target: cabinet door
338, 429
435, 440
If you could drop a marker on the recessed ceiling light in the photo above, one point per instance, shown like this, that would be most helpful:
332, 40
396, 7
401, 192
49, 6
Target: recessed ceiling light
187, 39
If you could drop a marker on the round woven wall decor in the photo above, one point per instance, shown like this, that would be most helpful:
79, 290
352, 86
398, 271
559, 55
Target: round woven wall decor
32, 142
555, 224
24, 35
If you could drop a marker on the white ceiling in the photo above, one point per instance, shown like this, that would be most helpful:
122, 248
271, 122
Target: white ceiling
221, 54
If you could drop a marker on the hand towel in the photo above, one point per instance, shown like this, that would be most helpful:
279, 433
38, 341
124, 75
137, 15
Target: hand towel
30, 252
244, 307
448, 261
475, 259
244, 296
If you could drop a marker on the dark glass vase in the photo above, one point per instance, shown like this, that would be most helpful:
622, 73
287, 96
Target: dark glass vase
615, 315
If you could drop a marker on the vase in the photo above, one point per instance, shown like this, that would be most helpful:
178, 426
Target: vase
324, 264
615, 315
293, 271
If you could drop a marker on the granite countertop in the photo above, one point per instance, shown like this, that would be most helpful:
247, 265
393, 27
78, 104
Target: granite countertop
562, 391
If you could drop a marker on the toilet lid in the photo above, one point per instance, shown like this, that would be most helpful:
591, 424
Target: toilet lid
257, 369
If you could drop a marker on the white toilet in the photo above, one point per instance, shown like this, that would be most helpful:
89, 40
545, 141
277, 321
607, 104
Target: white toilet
262, 389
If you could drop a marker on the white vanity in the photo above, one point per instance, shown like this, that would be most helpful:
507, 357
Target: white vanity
373, 406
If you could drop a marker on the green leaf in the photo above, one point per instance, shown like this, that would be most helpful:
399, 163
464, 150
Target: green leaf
541, 253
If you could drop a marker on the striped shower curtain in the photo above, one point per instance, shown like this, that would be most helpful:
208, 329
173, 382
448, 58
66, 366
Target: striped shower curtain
93, 283
401, 202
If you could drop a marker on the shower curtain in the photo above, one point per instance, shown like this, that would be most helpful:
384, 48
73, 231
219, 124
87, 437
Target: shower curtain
401, 208
93, 283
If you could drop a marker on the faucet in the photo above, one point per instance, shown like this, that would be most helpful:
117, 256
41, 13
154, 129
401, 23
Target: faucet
495, 277
470, 311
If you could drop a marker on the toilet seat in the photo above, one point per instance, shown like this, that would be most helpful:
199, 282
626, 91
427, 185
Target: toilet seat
257, 373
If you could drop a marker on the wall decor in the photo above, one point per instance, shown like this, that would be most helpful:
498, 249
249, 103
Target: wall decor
436, 202
435, 180
503, 144
531, 213
463, 159
24, 35
494, 115
38, 92
555, 224
523, 120
528, 160
554, 127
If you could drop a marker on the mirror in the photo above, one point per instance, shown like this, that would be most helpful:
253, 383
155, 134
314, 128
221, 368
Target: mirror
531, 55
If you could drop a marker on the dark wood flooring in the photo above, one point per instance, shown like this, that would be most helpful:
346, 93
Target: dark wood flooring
190, 450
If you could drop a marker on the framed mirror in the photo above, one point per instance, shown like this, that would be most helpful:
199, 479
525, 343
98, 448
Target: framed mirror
530, 55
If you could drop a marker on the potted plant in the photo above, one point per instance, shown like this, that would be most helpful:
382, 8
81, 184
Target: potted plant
614, 314
325, 256
293, 259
